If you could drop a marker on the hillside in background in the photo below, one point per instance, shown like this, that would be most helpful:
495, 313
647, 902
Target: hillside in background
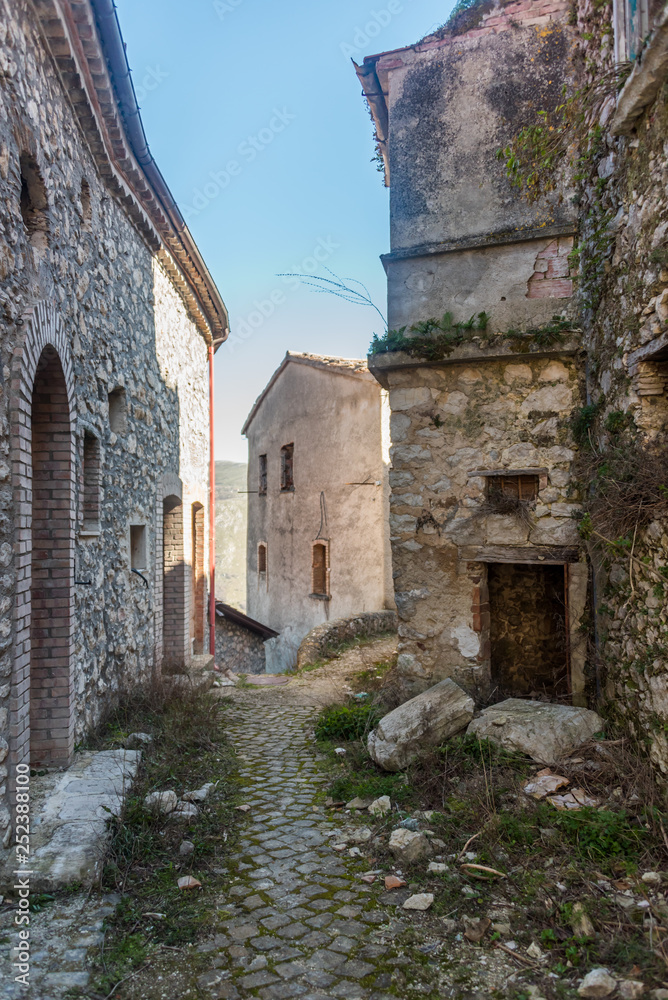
231, 521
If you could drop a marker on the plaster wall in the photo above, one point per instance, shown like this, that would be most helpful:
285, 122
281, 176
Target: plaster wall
334, 421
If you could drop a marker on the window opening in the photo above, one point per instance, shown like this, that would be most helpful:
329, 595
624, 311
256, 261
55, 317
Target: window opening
320, 569
517, 487
90, 510
262, 558
117, 411
262, 483
34, 203
287, 468
138, 546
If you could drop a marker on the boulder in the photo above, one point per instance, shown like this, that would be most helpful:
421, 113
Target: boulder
135, 741
380, 806
424, 721
543, 731
597, 983
161, 802
408, 846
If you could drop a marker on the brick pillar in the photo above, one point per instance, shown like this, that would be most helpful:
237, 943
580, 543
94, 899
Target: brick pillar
175, 616
198, 589
51, 689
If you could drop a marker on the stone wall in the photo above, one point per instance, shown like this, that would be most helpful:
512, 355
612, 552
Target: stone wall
449, 422
622, 293
239, 648
322, 641
76, 274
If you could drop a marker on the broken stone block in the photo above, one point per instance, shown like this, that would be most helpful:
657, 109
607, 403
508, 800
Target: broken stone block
358, 803
199, 794
597, 983
631, 989
407, 846
161, 802
420, 901
136, 741
380, 806
543, 731
424, 721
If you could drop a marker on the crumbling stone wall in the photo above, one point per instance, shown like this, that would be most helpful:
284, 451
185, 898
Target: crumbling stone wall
450, 421
623, 290
75, 272
323, 640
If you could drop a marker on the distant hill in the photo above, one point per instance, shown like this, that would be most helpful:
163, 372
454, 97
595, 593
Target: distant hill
231, 526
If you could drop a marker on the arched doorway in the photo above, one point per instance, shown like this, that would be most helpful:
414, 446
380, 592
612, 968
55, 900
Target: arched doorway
51, 683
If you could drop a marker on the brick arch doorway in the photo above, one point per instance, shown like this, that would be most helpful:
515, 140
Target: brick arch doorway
52, 559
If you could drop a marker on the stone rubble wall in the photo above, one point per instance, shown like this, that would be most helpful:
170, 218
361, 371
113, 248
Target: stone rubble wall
447, 422
126, 326
623, 292
238, 648
322, 641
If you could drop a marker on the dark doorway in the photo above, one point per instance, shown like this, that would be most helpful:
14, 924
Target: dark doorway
529, 652
51, 695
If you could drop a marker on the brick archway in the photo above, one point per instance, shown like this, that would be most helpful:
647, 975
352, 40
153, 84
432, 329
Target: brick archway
43, 420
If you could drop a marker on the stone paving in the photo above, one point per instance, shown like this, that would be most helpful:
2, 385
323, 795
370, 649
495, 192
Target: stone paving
298, 921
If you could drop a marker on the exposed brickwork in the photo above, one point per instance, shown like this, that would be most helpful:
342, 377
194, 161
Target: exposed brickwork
198, 578
174, 605
553, 275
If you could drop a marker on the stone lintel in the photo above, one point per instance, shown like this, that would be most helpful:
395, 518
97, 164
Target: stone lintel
508, 472
479, 242
465, 354
548, 555
655, 350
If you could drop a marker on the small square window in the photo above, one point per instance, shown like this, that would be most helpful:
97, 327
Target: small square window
518, 487
118, 417
287, 468
262, 470
138, 546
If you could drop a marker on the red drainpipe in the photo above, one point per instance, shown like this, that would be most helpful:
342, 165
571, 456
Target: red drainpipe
212, 517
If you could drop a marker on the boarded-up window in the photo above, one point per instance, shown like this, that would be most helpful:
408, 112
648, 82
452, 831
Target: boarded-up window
262, 558
320, 569
519, 487
287, 468
262, 483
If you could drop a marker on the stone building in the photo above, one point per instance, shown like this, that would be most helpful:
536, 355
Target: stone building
623, 297
109, 322
318, 543
240, 641
490, 575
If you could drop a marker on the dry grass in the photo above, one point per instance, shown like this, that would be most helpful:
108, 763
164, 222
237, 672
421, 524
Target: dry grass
629, 487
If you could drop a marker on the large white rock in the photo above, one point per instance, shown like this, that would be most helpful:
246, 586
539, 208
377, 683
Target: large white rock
597, 983
543, 731
422, 722
408, 845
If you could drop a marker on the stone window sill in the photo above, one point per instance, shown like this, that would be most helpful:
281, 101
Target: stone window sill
90, 530
321, 597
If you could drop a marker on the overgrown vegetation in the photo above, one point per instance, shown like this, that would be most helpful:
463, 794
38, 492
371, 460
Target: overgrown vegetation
551, 866
435, 340
143, 862
343, 722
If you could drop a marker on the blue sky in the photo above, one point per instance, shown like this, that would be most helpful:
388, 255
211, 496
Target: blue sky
254, 114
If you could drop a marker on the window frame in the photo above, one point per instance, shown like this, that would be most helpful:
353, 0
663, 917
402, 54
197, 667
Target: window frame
262, 475
632, 23
288, 468
325, 594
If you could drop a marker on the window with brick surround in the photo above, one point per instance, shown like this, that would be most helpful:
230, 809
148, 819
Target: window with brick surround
90, 505
118, 418
518, 487
320, 569
262, 559
198, 584
138, 558
287, 468
262, 474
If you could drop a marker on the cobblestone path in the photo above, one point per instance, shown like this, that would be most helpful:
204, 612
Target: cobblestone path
301, 924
